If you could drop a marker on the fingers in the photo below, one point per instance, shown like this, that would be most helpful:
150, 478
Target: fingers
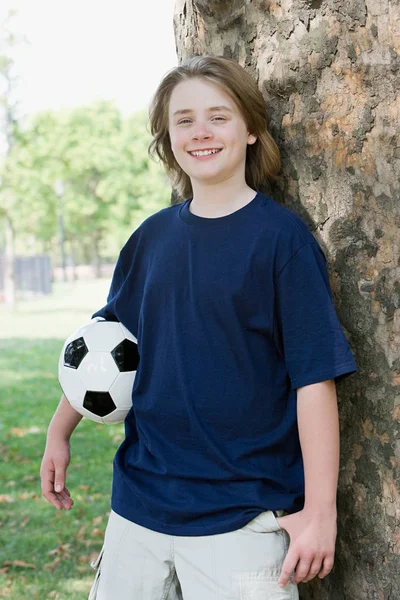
314, 569
327, 566
47, 478
59, 478
302, 571
311, 548
61, 500
65, 500
61, 494
289, 565
321, 566
296, 569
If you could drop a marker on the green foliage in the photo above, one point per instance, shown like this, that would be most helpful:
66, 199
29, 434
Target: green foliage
109, 183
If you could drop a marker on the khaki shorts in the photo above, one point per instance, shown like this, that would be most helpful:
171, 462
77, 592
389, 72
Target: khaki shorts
137, 563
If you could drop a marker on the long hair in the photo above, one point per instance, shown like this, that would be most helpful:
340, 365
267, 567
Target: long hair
262, 157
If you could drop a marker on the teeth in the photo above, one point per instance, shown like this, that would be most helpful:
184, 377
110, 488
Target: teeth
205, 152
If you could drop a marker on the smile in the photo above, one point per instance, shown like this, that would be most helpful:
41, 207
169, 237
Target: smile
205, 152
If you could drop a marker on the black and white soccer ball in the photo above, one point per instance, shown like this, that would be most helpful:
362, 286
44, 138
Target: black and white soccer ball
97, 369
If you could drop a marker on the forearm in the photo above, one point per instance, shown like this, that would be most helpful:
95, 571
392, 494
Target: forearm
318, 425
64, 421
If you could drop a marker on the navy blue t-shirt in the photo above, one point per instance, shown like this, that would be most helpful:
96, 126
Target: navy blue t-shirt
231, 314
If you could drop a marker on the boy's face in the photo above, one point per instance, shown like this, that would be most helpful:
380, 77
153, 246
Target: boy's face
204, 127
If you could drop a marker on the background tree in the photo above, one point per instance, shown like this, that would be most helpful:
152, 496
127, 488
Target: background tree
329, 71
8, 126
84, 175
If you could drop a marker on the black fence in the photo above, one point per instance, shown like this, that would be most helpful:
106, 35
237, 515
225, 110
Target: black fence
32, 275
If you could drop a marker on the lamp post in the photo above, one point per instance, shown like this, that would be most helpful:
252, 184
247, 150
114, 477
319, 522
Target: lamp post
59, 189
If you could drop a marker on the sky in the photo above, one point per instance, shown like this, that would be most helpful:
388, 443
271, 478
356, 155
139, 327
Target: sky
80, 50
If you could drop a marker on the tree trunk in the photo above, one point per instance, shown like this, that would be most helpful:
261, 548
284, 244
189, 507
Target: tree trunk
329, 71
10, 287
97, 257
73, 259
62, 236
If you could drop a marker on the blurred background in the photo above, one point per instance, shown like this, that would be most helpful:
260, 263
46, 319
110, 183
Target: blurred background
76, 79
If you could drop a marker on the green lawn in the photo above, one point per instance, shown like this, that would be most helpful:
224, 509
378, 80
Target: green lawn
45, 553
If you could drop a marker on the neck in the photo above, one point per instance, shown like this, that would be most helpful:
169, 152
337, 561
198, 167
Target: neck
220, 199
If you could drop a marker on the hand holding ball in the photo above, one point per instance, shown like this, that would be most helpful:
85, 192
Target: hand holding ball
97, 369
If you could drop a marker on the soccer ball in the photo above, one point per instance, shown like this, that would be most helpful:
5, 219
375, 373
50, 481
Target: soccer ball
97, 368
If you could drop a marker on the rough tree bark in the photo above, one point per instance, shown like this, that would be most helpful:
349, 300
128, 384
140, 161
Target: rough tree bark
329, 71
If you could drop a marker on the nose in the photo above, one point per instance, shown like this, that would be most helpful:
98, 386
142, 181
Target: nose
201, 132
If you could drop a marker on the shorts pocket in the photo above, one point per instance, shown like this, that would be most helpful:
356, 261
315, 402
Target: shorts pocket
277, 513
96, 565
265, 522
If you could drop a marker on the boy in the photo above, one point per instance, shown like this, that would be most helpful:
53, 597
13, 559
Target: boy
231, 447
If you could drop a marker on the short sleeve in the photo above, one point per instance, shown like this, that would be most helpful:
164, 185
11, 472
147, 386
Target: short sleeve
308, 330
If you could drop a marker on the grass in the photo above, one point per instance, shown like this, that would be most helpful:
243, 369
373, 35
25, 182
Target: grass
45, 553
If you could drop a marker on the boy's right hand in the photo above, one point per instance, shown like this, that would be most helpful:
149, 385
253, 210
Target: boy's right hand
53, 474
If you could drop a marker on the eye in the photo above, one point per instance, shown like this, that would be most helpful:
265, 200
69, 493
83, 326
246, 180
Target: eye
184, 121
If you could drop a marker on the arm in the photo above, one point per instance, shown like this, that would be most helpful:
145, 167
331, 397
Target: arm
57, 455
57, 452
318, 422
316, 352
313, 529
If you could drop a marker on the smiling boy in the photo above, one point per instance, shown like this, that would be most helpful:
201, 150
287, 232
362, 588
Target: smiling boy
225, 484
218, 179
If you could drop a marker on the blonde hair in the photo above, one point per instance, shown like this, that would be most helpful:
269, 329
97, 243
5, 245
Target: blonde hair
262, 157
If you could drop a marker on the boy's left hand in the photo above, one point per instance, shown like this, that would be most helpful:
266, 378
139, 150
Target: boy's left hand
312, 546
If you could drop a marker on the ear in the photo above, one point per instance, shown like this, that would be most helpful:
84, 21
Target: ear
251, 139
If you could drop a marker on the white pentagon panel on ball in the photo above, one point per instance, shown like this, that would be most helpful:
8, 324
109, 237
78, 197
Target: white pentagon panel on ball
118, 416
121, 390
72, 386
98, 371
80, 332
103, 336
